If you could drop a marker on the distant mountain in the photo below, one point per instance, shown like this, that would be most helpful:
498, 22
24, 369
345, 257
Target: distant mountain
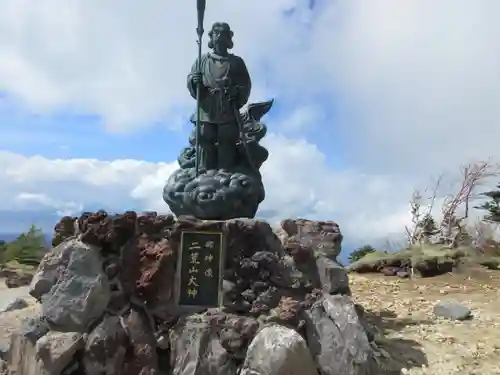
19, 221
7, 237
12, 223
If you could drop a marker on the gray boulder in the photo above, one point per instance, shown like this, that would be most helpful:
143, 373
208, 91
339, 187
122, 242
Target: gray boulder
332, 276
52, 265
452, 311
196, 349
323, 236
105, 348
48, 356
277, 350
337, 338
81, 293
57, 349
22, 359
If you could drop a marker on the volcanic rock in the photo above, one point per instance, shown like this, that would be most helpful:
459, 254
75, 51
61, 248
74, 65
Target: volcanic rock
108, 292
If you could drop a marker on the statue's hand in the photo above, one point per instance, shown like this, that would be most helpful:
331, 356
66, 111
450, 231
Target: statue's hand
197, 78
232, 93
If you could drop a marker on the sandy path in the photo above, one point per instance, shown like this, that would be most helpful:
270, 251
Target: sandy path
411, 339
11, 321
417, 343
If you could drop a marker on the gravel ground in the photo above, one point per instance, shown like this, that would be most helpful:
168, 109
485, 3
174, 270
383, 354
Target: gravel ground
10, 321
8, 295
413, 341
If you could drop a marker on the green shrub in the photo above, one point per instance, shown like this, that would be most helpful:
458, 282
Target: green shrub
360, 253
27, 248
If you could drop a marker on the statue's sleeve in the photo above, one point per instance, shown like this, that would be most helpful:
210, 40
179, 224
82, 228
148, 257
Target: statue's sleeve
190, 86
244, 83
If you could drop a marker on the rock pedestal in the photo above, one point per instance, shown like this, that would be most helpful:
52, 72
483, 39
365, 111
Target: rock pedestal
109, 306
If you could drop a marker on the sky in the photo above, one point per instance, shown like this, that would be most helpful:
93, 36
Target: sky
372, 99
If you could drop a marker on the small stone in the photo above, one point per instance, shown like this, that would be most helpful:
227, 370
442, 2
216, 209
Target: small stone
403, 274
17, 304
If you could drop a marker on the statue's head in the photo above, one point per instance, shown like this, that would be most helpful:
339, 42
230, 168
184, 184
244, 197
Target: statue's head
221, 36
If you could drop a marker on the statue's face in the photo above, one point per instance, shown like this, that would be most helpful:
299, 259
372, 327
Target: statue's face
221, 37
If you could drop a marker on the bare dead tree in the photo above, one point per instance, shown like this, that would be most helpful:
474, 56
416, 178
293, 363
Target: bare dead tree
485, 236
416, 206
473, 175
435, 189
415, 233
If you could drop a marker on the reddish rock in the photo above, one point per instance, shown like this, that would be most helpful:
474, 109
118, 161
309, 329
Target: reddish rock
236, 334
108, 232
149, 262
64, 229
141, 358
311, 298
320, 236
150, 223
157, 266
288, 312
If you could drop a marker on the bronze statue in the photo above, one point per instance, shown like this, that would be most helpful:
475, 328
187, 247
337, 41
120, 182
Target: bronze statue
225, 86
219, 176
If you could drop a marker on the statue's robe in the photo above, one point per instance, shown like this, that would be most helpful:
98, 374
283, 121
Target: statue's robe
215, 107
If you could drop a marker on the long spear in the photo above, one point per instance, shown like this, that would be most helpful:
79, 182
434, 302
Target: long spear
200, 5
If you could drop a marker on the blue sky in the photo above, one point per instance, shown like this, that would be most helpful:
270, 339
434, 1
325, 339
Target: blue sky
372, 100
67, 134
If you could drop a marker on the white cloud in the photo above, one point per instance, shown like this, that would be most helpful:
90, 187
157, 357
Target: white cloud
122, 59
405, 76
418, 79
64, 208
297, 179
414, 84
305, 117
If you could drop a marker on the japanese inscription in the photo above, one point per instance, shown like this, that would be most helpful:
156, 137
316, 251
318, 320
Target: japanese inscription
201, 262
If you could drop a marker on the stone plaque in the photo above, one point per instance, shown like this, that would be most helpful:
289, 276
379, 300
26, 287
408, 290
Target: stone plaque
200, 268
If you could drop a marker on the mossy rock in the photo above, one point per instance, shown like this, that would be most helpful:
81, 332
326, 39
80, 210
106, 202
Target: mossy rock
426, 259
492, 263
375, 261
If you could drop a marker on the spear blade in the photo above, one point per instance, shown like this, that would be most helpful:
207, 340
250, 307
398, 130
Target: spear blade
200, 5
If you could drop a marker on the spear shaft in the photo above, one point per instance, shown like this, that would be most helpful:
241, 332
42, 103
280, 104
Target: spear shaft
200, 5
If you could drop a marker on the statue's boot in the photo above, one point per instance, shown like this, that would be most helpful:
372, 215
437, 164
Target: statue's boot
226, 155
209, 157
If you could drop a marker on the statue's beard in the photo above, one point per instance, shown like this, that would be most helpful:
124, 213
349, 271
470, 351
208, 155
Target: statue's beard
220, 44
